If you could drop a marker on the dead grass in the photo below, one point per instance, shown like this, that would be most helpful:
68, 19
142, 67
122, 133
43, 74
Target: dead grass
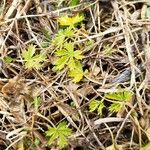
118, 57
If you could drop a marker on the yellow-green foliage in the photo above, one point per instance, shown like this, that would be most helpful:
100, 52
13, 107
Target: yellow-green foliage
70, 57
59, 135
66, 49
70, 21
118, 100
31, 59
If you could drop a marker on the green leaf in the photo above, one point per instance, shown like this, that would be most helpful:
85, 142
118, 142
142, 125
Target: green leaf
100, 108
71, 64
78, 55
61, 52
37, 102
77, 72
62, 141
70, 21
62, 35
146, 147
59, 134
32, 60
115, 107
37, 141
74, 2
60, 63
70, 48
108, 50
124, 96
8, 59
96, 105
27, 55
69, 57
93, 105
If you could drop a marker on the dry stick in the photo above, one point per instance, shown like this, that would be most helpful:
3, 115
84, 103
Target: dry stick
128, 46
32, 34
19, 13
127, 41
43, 21
46, 14
108, 31
75, 101
124, 121
70, 120
95, 136
129, 52
12, 8
108, 120
16, 141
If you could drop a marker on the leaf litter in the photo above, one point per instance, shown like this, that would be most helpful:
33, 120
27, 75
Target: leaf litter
74, 74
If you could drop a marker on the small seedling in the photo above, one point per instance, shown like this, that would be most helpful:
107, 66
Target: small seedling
70, 21
63, 36
96, 105
59, 135
37, 102
118, 100
70, 57
66, 53
31, 59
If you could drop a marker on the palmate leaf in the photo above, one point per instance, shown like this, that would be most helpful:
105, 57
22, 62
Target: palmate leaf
68, 56
69, 52
60, 63
27, 55
115, 107
31, 60
62, 34
70, 21
61, 52
96, 105
59, 134
93, 105
123, 96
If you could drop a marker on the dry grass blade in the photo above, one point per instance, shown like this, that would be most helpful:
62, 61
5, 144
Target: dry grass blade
70, 67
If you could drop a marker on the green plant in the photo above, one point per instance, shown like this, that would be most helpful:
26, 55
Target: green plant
32, 60
118, 100
65, 47
70, 57
146, 147
37, 102
37, 141
8, 59
96, 105
70, 21
108, 50
62, 36
121, 95
59, 134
